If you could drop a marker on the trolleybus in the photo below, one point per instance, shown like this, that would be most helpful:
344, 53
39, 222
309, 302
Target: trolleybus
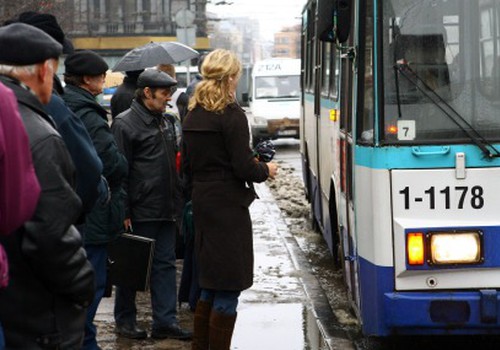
400, 141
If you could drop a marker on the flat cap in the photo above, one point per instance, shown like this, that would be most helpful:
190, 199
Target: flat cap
85, 62
48, 23
155, 78
22, 44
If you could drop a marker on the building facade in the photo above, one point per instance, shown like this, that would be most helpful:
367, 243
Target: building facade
115, 26
287, 42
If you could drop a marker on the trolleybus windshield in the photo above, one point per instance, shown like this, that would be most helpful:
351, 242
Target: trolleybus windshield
453, 46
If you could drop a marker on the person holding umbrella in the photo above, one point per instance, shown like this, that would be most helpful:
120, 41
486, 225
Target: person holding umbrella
147, 140
136, 60
124, 94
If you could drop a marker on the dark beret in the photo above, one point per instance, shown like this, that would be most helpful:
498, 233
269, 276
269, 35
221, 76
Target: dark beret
47, 23
85, 62
155, 78
22, 45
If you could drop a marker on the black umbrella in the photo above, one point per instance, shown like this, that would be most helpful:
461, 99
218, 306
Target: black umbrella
152, 54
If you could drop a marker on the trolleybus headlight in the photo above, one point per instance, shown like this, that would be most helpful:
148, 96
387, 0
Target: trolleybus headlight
455, 248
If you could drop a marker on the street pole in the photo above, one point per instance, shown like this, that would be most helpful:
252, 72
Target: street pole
186, 33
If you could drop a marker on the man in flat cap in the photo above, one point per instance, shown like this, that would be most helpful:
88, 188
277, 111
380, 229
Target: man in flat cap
147, 140
90, 185
84, 75
51, 280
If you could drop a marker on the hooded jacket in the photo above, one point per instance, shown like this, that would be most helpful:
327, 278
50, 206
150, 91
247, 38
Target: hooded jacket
105, 222
87, 163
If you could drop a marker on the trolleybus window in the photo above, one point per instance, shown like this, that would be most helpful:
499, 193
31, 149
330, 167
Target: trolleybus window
365, 126
326, 68
430, 67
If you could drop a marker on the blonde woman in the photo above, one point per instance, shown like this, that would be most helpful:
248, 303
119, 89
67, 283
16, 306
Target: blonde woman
221, 169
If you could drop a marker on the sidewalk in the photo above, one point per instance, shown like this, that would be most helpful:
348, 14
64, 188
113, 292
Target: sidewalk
277, 313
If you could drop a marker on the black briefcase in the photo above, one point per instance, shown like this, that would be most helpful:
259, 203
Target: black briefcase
130, 261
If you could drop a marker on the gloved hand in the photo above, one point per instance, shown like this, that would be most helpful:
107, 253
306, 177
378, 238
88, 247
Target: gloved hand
264, 151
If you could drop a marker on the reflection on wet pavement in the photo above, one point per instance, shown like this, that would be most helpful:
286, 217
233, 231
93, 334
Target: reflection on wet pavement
269, 326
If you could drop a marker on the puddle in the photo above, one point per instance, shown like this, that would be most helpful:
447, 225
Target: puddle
276, 327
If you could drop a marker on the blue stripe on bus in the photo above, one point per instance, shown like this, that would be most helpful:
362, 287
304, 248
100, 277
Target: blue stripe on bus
421, 157
325, 102
385, 311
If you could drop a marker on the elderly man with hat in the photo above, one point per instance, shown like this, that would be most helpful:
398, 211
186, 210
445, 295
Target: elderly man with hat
52, 282
84, 75
147, 140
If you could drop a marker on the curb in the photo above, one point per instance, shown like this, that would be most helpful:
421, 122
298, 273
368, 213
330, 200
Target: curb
333, 336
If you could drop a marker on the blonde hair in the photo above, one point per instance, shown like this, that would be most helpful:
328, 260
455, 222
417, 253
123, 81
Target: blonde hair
214, 93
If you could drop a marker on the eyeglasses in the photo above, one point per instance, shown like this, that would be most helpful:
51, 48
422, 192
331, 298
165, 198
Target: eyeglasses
173, 89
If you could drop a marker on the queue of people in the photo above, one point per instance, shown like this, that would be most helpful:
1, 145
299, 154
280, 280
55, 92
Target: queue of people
71, 184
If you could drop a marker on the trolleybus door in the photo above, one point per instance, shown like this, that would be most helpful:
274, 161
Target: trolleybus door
347, 97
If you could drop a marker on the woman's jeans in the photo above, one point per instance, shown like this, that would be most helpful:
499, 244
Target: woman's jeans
223, 301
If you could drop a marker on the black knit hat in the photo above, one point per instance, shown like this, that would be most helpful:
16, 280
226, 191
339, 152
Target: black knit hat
22, 45
155, 78
47, 23
85, 62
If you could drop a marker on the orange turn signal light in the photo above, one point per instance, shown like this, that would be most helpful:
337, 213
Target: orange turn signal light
392, 129
415, 248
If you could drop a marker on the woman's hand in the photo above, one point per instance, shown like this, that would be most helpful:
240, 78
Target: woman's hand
273, 169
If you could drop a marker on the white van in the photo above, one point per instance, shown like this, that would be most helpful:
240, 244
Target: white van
182, 78
274, 101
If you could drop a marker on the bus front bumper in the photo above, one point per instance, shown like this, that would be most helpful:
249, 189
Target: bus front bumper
468, 312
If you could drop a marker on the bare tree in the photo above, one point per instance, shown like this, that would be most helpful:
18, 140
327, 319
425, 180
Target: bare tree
59, 8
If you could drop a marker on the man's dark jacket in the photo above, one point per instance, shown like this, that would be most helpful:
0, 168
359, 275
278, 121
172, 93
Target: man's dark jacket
87, 163
153, 186
105, 222
123, 96
52, 281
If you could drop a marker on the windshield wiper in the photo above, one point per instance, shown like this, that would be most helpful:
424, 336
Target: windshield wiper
486, 147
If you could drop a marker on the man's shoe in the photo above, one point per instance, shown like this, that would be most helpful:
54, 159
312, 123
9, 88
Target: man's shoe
131, 331
172, 331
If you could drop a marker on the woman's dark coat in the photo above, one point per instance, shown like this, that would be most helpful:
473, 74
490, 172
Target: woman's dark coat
105, 222
219, 163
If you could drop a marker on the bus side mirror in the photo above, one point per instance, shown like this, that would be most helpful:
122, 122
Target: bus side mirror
343, 27
334, 20
326, 9
244, 97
